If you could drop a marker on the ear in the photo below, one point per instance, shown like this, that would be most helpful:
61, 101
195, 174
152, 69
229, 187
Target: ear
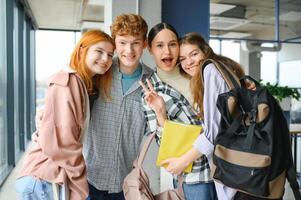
81, 51
145, 43
149, 50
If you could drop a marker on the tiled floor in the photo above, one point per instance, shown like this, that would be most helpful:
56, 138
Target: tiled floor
7, 191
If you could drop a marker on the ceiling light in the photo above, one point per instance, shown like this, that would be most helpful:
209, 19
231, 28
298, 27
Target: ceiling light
226, 23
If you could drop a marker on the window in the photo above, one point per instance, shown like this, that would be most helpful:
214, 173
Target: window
226, 48
268, 69
3, 135
53, 52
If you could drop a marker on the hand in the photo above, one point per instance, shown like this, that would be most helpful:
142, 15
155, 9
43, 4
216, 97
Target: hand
174, 165
34, 137
250, 85
154, 101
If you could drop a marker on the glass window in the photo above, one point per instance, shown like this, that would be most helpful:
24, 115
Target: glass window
231, 49
268, 69
53, 51
215, 45
3, 138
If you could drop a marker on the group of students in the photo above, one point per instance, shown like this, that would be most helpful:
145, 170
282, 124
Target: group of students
98, 110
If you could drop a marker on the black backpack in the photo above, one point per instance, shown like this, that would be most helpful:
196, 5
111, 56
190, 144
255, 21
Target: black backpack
252, 151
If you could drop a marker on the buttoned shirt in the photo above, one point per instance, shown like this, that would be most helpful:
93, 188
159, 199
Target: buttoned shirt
178, 109
115, 133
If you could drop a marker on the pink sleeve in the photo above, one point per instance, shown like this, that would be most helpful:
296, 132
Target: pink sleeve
59, 134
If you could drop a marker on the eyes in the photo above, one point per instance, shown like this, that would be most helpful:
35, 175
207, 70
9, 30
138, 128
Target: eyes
171, 44
191, 55
103, 52
135, 43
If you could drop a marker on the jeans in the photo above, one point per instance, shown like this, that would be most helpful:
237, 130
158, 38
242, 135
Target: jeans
95, 194
29, 188
198, 191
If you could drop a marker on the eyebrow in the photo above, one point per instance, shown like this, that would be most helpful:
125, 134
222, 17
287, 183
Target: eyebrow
164, 42
189, 53
193, 50
124, 40
99, 48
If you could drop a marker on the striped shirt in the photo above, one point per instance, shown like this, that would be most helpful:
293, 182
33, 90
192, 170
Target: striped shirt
178, 109
115, 133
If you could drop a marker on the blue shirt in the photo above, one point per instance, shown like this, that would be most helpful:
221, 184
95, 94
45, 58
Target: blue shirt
127, 80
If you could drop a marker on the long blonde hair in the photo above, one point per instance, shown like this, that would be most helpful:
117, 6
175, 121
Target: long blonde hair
78, 62
197, 84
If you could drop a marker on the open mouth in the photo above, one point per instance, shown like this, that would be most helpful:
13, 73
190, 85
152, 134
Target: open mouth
167, 61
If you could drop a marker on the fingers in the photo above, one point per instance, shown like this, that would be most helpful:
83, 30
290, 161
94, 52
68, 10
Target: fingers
144, 87
165, 162
250, 85
150, 86
149, 89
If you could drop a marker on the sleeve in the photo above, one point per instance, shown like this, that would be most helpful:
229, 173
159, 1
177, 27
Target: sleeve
59, 134
214, 84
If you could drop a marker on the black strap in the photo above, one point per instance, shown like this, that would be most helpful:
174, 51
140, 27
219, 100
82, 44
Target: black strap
234, 125
291, 177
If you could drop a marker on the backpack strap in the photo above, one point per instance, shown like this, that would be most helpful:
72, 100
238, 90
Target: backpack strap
291, 177
139, 161
230, 78
144, 149
291, 173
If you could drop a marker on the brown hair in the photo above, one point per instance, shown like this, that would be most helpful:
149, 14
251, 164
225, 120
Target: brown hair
129, 24
197, 84
78, 62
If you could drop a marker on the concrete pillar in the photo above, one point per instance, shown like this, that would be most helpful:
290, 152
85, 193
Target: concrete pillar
254, 64
251, 63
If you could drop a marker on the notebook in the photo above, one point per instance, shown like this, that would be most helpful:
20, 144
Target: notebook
177, 139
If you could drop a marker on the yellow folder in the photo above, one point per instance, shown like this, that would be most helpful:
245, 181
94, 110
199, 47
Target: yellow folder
177, 139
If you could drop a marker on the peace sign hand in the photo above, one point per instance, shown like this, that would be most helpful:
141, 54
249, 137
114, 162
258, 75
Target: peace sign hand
154, 101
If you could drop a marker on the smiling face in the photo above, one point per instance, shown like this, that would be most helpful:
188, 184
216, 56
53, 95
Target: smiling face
190, 58
99, 57
129, 50
165, 50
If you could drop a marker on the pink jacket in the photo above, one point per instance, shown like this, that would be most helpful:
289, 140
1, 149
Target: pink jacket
57, 155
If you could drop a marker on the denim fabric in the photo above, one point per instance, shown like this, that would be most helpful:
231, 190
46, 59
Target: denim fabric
29, 188
200, 191
95, 194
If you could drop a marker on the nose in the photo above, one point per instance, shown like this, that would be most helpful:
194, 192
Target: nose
189, 61
105, 58
166, 49
129, 48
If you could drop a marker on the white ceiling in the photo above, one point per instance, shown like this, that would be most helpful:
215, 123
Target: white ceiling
254, 19
66, 14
